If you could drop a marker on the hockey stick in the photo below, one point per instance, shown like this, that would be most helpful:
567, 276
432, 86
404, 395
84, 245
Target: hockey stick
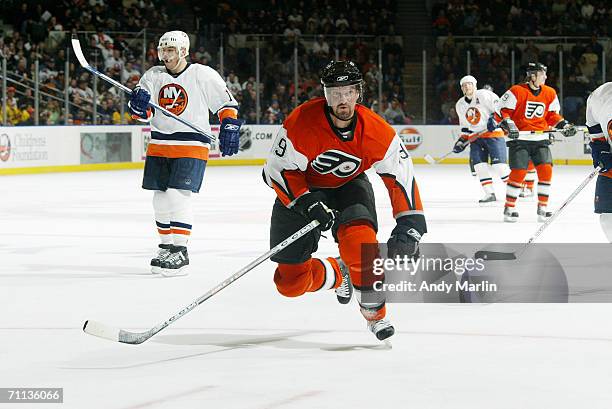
78, 52
119, 335
578, 129
495, 255
429, 159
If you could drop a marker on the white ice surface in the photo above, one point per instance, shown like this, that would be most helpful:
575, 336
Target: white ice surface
76, 247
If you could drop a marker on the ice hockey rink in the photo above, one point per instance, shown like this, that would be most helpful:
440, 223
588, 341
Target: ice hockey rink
76, 246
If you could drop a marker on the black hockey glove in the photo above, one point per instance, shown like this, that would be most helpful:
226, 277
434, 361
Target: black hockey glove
600, 151
510, 128
567, 129
461, 144
404, 240
311, 205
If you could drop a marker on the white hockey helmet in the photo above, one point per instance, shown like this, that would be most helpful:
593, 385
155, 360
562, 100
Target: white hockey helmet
468, 78
178, 39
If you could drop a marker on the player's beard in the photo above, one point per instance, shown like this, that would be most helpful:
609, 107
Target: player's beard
343, 112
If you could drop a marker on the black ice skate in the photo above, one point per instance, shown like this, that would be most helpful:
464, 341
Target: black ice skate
510, 215
162, 253
488, 199
176, 263
543, 214
381, 328
344, 292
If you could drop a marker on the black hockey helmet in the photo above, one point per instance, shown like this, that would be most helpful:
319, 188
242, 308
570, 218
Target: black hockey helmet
533, 67
340, 73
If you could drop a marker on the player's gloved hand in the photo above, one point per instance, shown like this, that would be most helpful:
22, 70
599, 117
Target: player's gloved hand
567, 129
229, 136
138, 104
510, 128
600, 151
492, 123
404, 241
313, 207
461, 144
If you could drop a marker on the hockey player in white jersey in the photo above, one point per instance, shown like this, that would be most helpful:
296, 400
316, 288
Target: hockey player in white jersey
176, 155
474, 110
599, 123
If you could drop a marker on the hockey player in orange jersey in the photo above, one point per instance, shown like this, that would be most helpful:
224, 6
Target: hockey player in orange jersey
530, 106
317, 168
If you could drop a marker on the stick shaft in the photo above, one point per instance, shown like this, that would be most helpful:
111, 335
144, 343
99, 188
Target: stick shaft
131, 338
471, 139
76, 45
571, 197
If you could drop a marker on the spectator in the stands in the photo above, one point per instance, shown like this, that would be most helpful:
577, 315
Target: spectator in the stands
451, 117
394, 113
233, 83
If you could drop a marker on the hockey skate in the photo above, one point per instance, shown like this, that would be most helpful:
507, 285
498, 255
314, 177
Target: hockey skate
162, 253
487, 199
176, 263
345, 291
543, 214
510, 215
381, 328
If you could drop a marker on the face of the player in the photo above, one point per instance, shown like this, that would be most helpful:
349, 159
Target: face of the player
342, 100
539, 78
170, 57
468, 89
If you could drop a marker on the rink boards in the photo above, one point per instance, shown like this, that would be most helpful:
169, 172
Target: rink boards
45, 149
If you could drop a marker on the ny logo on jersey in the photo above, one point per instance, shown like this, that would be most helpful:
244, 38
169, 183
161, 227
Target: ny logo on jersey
534, 110
339, 163
473, 115
174, 98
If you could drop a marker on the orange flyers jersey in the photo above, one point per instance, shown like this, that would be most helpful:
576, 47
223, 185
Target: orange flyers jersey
531, 111
190, 95
474, 114
309, 153
599, 115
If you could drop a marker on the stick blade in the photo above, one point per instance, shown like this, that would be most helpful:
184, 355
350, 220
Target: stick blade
78, 52
429, 159
97, 329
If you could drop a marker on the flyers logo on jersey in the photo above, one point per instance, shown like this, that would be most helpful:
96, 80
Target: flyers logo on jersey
610, 129
534, 110
174, 98
473, 115
336, 162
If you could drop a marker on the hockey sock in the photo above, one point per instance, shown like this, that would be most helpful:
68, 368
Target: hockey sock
502, 170
544, 180
161, 207
530, 177
351, 236
515, 183
293, 280
181, 215
482, 171
605, 221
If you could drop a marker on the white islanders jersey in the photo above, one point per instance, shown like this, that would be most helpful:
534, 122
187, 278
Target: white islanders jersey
599, 112
474, 115
189, 95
